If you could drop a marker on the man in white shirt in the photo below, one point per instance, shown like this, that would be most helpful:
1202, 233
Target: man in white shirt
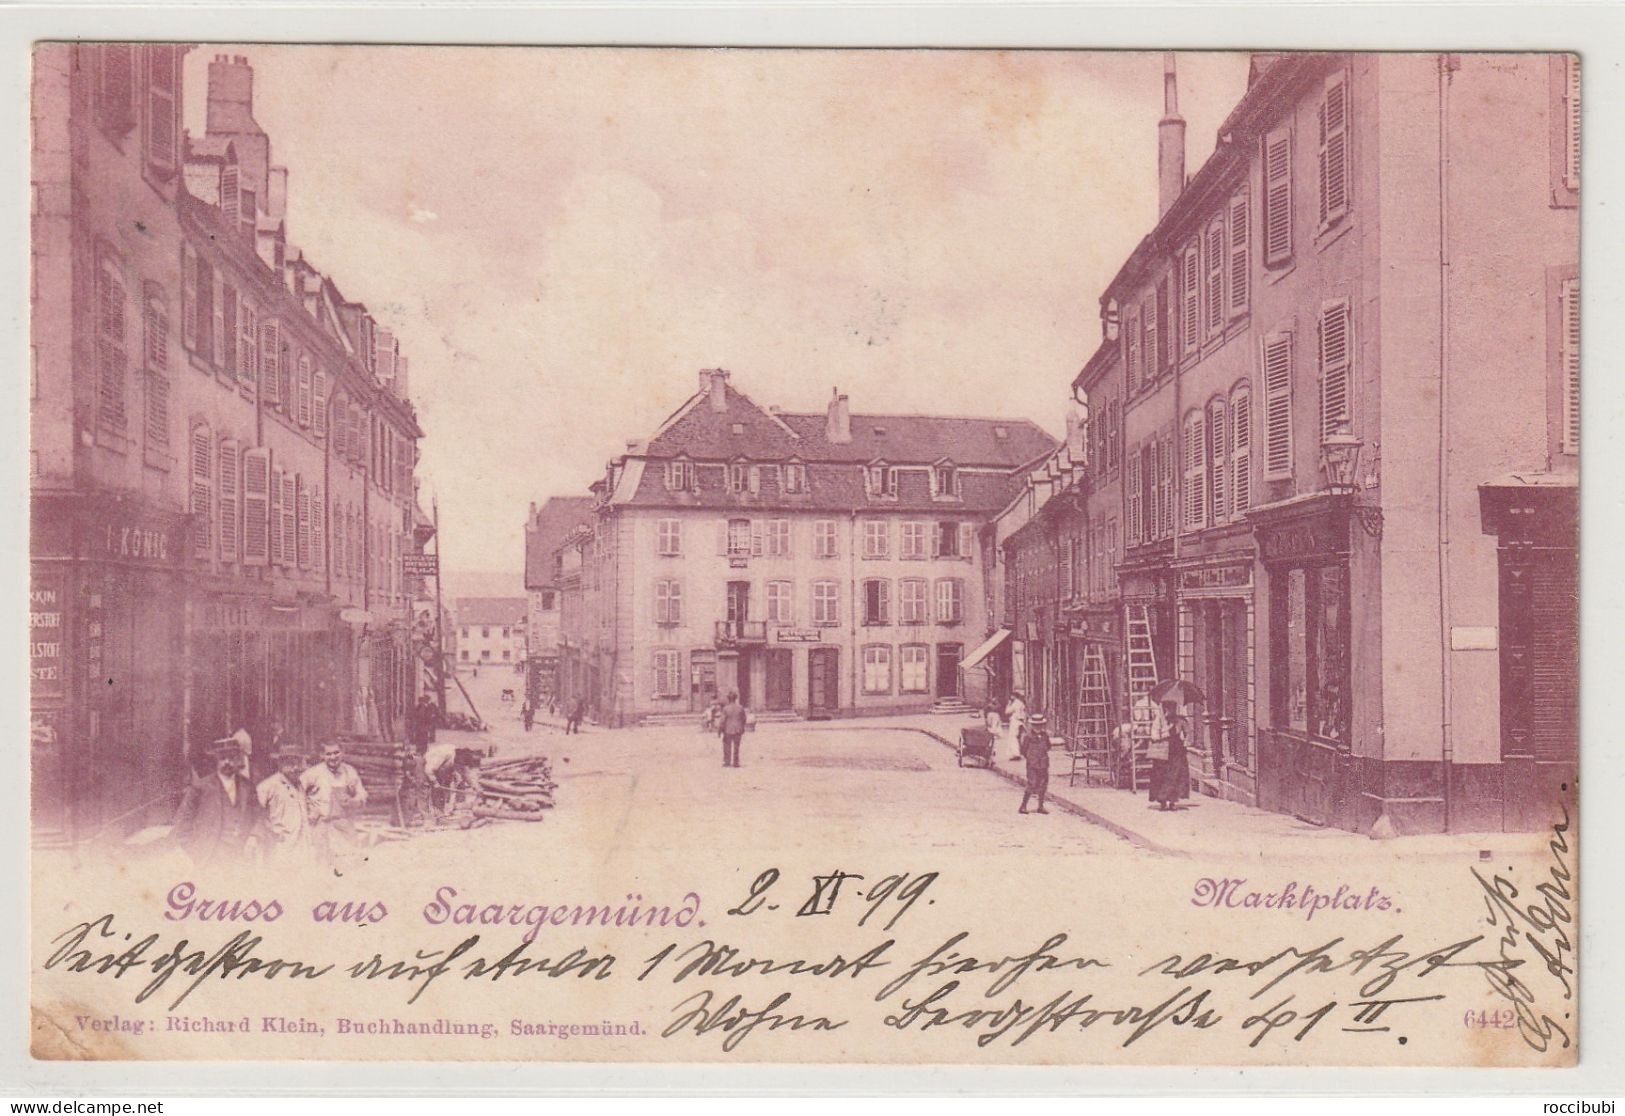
333, 794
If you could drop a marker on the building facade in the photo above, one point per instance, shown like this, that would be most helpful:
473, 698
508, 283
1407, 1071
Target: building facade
1342, 418
222, 450
545, 533
819, 565
491, 631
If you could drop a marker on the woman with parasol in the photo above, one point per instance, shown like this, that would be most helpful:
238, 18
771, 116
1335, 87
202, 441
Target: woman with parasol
1170, 763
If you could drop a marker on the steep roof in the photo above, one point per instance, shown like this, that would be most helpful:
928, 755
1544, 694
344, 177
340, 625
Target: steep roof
554, 521
488, 610
832, 487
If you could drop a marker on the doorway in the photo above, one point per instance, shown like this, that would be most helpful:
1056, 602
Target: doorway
702, 686
780, 678
948, 656
823, 682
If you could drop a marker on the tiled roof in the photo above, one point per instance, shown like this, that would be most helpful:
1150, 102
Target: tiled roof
831, 488
546, 533
489, 610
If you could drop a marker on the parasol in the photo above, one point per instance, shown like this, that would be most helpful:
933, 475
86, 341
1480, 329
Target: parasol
1179, 691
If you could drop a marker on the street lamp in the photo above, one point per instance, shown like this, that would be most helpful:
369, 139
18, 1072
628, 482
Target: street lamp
1340, 464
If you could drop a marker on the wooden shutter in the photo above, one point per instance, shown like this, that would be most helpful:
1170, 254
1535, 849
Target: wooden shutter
1241, 436
161, 106
967, 540
1554, 655
755, 539
226, 330
229, 195
1218, 460
1149, 364
273, 526
1195, 446
1570, 345
1334, 150
248, 365
1217, 254
1151, 469
1166, 453
256, 470
229, 480
306, 388
1167, 316
318, 409
290, 520
1336, 356
157, 410
1190, 296
1277, 218
1131, 352
1132, 483
202, 487
110, 340
270, 359
1277, 377
302, 525
1240, 276
1571, 122
318, 529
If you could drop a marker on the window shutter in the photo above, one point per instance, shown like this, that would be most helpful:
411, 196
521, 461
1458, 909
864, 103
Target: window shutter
1166, 318
202, 502
755, 539
189, 298
1166, 453
318, 529
1217, 433
248, 366
290, 520
116, 95
1191, 300
110, 342
1571, 120
1195, 472
156, 333
228, 500
318, 415
270, 360
1149, 366
967, 540
161, 107
1241, 465
1240, 276
223, 337
274, 520
305, 389
1277, 219
1216, 258
157, 409
1131, 352
302, 496
1132, 482
1336, 353
1151, 470
1571, 366
256, 470
1334, 150
229, 195
1278, 405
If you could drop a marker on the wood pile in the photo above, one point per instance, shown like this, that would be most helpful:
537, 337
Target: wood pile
380, 765
516, 789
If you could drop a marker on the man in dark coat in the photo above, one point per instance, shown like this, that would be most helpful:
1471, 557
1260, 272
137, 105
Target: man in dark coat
217, 811
732, 727
1035, 750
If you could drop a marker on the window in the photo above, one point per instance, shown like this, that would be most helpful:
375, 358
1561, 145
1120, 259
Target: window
679, 476
1190, 300
953, 539
507, 633
1240, 275
913, 541
485, 633
739, 537
465, 633
945, 482
877, 669
155, 348
950, 600
876, 601
1148, 338
1241, 436
669, 537
876, 538
1310, 634
1218, 462
248, 356
778, 538
914, 668
668, 668
881, 481
780, 609
507, 654
826, 602
161, 107
1216, 257
1569, 364
549, 600
1277, 377
201, 501
795, 477
228, 481
1277, 216
1336, 356
1195, 447
1131, 353
1334, 150
736, 478
485, 653
465, 654
110, 334
824, 538
912, 604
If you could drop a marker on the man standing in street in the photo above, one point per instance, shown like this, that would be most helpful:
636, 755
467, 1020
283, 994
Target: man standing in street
1035, 750
333, 794
732, 728
216, 810
286, 822
578, 710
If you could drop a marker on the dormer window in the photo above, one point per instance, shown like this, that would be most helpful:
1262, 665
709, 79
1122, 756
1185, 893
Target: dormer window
944, 481
795, 477
680, 476
881, 480
736, 477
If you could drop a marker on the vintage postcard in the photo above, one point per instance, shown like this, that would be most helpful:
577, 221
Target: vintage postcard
953, 557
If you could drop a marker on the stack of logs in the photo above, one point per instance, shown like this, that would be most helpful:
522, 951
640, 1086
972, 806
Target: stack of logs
515, 789
380, 764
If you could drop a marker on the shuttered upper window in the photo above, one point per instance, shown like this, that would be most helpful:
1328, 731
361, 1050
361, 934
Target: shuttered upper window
1336, 360
1150, 362
111, 358
1240, 277
1190, 299
201, 502
1277, 213
1133, 498
162, 107
1195, 495
229, 480
1276, 375
1131, 352
1218, 455
1241, 439
1215, 255
1333, 119
1569, 370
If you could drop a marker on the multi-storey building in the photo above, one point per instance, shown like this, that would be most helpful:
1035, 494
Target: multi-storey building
222, 448
545, 532
491, 631
826, 564
1348, 435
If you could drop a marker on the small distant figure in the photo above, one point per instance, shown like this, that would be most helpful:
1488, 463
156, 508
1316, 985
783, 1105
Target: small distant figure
1015, 719
1035, 750
731, 724
1170, 765
216, 813
578, 710
712, 721
527, 714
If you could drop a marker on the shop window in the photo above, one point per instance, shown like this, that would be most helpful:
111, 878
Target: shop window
1310, 639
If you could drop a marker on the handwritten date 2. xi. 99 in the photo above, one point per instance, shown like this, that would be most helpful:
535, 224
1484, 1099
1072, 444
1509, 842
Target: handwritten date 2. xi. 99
895, 893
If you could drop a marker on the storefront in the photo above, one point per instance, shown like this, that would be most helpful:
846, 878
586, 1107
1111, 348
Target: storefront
1094, 657
1306, 764
106, 651
1215, 641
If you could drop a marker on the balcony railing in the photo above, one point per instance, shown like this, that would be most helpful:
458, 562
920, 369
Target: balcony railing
731, 633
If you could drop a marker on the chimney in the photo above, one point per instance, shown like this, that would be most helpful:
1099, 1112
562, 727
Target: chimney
533, 511
1170, 140
838, 424
714, 382
231, 95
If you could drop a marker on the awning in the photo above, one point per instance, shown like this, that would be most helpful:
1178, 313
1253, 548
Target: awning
986, 649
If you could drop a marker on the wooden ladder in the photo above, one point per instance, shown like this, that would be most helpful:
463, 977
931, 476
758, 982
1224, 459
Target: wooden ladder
1092, 743
1142, 678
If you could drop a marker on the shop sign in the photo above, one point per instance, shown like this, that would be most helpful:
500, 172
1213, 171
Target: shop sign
420, 565
799, 635
1239, 576
1301, 539
45, 629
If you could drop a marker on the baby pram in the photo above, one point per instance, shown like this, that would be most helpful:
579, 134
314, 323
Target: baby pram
976, 746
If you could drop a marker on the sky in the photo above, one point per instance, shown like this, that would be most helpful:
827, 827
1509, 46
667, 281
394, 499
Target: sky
563, 237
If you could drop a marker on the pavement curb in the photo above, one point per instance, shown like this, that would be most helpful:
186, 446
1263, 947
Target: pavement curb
1133, 837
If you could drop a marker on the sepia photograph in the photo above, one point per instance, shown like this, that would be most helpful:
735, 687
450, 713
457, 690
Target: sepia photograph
679, 555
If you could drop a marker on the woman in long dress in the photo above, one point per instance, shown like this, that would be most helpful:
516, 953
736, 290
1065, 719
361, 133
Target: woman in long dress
1015, 719
1171, 776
